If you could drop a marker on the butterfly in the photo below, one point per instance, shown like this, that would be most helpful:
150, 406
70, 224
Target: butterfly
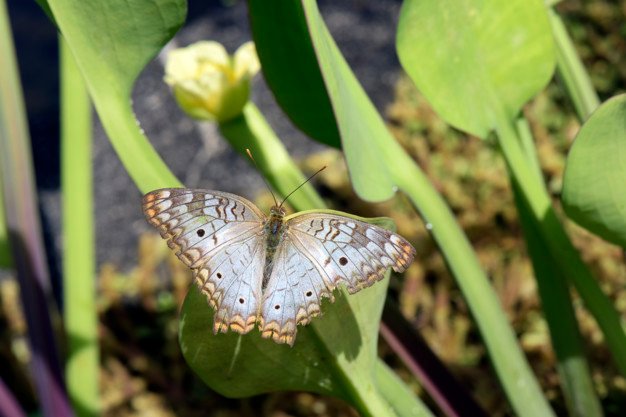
270, 271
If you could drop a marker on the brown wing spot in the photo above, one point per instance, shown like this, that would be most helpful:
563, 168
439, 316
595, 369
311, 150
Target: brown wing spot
200, 232
150, 197
343, 260
335, 234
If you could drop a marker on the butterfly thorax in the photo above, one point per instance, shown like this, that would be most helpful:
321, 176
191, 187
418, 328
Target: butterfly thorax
274, 230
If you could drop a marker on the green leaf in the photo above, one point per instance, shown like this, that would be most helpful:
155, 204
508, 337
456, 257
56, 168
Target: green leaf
300, 91
335, 355
112, 41
594, 184
474, 59
368, 146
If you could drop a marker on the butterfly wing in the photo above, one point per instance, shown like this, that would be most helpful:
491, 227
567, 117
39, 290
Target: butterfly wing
293, 294
220, 237
319, 252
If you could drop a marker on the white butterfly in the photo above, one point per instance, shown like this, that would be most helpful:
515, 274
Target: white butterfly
271, 271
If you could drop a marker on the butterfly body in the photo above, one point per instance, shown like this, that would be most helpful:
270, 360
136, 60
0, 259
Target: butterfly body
270, 272
274, 231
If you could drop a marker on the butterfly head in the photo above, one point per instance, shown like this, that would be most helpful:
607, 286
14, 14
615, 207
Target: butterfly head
277, 211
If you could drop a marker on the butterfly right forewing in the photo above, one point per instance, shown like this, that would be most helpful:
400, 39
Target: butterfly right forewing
319, 252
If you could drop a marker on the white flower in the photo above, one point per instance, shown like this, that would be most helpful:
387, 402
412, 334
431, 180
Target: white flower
208, 83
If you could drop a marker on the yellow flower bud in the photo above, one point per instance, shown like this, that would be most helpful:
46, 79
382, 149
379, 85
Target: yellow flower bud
208, 83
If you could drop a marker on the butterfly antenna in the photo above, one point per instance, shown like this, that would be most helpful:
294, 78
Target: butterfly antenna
262, 177
298, 187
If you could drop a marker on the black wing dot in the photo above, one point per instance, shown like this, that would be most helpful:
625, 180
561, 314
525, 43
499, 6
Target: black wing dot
241, 301
276, 307
200, 232
218, 275
309, 293
343, 260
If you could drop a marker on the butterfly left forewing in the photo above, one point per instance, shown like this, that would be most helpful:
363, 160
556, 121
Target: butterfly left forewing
220, 237
197, 222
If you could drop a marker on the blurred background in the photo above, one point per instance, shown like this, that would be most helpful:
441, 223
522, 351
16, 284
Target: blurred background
142, 284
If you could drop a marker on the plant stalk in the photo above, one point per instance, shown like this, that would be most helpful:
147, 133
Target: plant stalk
79, 280
562, 251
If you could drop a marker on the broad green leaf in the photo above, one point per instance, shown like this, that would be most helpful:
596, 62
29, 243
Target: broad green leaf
476, 59
594, 184
290, 67
112, 40
336, 354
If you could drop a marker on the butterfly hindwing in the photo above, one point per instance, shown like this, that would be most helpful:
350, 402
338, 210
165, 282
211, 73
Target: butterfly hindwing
293, 294
231, 281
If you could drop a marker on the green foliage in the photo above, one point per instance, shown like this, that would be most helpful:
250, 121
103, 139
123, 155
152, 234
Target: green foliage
377, 164
314, 114
112, 41
495, 55
594, 191
475, 60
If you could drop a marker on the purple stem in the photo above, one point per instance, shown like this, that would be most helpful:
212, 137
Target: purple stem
45, 361
9, 407
452, 398
24, 231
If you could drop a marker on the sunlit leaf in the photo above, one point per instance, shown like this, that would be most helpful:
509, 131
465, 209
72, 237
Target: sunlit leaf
594, 184
476, 58
112, 41
336, 354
